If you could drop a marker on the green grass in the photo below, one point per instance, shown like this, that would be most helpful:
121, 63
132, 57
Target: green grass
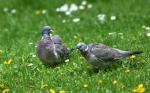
19, 29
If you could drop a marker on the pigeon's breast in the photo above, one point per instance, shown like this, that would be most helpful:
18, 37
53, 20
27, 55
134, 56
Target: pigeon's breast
47, 55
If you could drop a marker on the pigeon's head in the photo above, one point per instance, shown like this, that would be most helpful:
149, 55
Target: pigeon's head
47, 30
82, 47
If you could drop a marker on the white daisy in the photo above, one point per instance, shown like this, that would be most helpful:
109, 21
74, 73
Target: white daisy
89, 6
67, 60
63, 8
113, 18
75, 20
5, 9
68, 13
30, 43
73, 7
30, 64
101, 17
63, 21
33, 55
148, 34
84, 2
81, 7
43, 11
13, 11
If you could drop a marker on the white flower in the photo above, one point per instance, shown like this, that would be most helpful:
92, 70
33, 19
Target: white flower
143, 26
43, 11
75, 20
57, 10
89, 6
35, 46
111, 33
5, 9
101, 17
84, 2
33, 55
30, 43
67, 60
147, 28
63, 8
81, 7
148, 34
113, 18
73, 8
13, 11
63, 21
30, 64
68, 13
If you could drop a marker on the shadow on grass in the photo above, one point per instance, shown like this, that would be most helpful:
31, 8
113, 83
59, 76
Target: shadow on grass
134, 64
104, 69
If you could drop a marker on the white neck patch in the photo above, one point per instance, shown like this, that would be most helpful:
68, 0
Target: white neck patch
87, 48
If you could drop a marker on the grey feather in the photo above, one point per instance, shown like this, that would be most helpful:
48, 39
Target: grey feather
51, 50
102, 55
57, 39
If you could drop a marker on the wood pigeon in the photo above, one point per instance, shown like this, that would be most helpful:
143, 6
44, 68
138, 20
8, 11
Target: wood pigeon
51, 50
101, 55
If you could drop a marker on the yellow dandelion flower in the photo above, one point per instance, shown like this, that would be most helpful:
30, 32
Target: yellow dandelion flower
1, 51
133, 56
85, 85
114, 82
8, 62
100, 81
62, 91
5, 91
2, 86
142, 61
75, 37
37, 12
139, 89
52, 91
44, 86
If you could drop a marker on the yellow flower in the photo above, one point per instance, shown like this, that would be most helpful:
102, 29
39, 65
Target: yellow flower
62, 91
114, 82
2, 86
37, 12
139, 89
133, 56
52, 91
75, 37
100, 81
44, 86
5, 91
143, 61
85, 85
8, 62
1, 51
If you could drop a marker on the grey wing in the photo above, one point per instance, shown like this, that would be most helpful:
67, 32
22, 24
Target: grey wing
103, 52
62, 51
57, 39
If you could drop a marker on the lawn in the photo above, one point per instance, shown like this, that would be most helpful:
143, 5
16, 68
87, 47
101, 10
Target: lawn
122, 24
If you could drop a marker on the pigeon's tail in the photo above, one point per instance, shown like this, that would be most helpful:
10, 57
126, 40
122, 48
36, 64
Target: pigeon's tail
135, 52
